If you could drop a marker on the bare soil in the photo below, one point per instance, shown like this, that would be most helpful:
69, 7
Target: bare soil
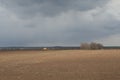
60, 65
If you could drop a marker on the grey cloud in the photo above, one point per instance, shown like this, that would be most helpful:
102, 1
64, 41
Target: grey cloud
55, 22
50, 7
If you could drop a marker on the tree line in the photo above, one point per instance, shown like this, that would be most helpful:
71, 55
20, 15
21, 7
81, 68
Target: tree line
91, 46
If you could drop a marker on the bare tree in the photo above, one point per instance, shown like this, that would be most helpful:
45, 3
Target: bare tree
91, 46
85, 46
100, 46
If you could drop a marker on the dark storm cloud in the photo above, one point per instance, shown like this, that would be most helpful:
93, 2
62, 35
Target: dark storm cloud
57, 22
50, 7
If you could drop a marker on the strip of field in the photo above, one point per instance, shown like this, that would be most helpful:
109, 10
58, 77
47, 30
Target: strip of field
60, 65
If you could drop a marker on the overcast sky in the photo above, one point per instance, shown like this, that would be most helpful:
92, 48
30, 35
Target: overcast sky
59, 22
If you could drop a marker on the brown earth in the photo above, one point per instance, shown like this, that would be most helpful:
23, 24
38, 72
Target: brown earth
60, 65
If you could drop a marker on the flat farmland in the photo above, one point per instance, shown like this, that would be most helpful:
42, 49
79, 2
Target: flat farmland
60, 65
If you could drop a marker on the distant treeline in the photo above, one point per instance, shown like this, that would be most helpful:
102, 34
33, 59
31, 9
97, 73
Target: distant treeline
51, 48
38, 48
111, 47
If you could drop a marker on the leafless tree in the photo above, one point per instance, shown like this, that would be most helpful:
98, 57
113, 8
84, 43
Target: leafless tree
85, 46
91, 46
100, 46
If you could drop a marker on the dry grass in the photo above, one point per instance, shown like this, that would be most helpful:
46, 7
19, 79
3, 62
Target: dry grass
60, 65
